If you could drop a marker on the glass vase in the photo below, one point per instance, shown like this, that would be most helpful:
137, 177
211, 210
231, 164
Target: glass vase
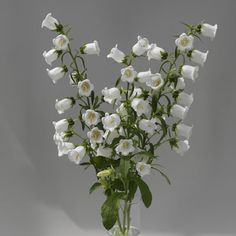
128, 222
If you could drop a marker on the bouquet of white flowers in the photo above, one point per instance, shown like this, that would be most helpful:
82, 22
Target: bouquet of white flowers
150, 108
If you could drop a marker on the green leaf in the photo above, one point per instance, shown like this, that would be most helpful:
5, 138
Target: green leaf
118, 185
92, 97
132, 190
145, 192
124, 167
94, 187
109, 210
118, 81
100, 162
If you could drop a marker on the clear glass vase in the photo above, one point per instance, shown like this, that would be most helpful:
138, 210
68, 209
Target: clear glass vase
128, 223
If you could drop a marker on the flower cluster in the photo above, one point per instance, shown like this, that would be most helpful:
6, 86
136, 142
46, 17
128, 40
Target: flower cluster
150, 109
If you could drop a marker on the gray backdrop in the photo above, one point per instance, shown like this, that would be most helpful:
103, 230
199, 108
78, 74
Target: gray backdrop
43, 195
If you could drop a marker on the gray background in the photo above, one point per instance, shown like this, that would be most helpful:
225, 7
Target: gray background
41, 194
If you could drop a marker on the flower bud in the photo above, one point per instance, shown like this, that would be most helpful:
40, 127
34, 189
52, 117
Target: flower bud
198, 57
185, 99
178, 111
61, 42
57, 73
50, 22
104, 173
116, 55
64, 104
209, 30
190, 72
141, 46
156, 53
90, 48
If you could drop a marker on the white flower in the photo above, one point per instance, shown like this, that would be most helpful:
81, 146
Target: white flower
179, 111
144, 76
190, 72
121, 110
209, 30
198, 57
90, 117
64, 148
104, 151
140, 105
141, 46
61, 42
50, 22
64, 104
110, 122
95, 135
136, 93
155, 52
185, 99
184, 42
183, 146
111, 95
116, 55
57, 73
125, 147
85, 87
128, 74
57, 138
180, 84
50, 56
61, 125
184, 130
143, 168
155, 82
148, 126
91, 48
109, 136
76, 155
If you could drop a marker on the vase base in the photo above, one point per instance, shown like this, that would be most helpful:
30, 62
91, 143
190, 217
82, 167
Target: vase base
115, 231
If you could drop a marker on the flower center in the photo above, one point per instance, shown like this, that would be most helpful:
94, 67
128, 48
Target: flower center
142, 168
128, 73
156, 82
184, 41
96, 135
91, 116
140, 106
125, 145
85, 86
61, 41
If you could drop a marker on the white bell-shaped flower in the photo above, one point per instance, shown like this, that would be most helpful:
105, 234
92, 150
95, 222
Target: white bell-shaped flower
91, 48
95, 135
63, 105
141, 46
64, 148
178, 111
85, 88
125, 147
50, 56
190, 72
116, 54
61, 125
143, 168
209, 31
144, 76
185, 99
111, 95
50, 22
76, 155
61, 42
155, 81
184, 130
198, 57
110, 122
155, 52
128, 74
183, 146
57, 73
140, 105
90, 117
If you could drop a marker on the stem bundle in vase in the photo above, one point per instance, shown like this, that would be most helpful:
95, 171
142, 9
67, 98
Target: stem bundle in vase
150, 107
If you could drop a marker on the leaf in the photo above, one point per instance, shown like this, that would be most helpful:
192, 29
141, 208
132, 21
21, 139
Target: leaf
163, 175
154, 103
109, 210
118, 185
145, 191
100, 162
94, 187
132, 189
124, 167
118, 81
92, 97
